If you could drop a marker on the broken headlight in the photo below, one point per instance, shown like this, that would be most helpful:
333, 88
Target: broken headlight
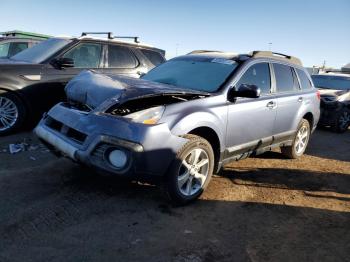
148, 116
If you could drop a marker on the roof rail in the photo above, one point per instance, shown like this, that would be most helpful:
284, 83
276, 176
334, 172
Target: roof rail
23, 34
203, 51
279, 56
110, 36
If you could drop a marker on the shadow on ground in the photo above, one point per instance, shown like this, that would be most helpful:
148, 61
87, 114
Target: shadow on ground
62, 212
330, 145
291, 179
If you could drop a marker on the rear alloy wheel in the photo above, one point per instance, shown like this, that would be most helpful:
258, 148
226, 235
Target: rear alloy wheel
191, 171
11, 113
300, 141
343, 121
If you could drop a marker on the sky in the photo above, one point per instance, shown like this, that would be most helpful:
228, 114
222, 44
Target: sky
313, 30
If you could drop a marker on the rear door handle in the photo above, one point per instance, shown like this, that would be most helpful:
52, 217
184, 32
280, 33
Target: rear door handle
271, 105
300, 99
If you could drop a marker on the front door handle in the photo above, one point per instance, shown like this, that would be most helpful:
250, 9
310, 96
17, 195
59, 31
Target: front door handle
271, 105
300, 99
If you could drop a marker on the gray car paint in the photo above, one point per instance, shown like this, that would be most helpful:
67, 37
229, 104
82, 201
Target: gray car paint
242, 127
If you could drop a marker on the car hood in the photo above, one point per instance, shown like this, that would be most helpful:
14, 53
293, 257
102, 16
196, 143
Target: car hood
8, 61
93, 89
331, 95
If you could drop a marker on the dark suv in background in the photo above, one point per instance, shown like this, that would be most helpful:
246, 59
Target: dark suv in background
33, 80
335, 100
13, 42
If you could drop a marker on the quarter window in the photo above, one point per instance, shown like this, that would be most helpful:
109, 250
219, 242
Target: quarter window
154, 57
121, 57
259, 75
285, 79
304, 80
85, 55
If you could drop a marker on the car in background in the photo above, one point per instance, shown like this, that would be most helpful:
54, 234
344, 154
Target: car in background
185, 118
13, 42
33, 80
335, 100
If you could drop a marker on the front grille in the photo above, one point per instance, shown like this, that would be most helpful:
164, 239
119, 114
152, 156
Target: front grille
99, 151
69, 132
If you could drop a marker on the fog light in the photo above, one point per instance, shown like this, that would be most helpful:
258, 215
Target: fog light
118, 158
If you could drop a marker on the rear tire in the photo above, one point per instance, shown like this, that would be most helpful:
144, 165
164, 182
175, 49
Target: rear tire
300, 141
12, 113
190, 172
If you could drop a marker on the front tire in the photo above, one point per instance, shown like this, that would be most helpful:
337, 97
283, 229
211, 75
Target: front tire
300, 141
342, 121
12, 113
191, 171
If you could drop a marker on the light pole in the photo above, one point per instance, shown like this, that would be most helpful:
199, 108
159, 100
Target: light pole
270, 46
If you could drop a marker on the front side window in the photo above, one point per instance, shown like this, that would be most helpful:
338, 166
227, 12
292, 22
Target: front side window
258, 75
331, 82
17, 47
85, 55
285, 79
304, 80
198, 74
4, 49
121, 57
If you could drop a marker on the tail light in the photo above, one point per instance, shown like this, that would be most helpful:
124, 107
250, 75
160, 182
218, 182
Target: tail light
318, 94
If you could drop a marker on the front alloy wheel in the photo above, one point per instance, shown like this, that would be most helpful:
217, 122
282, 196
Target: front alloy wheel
343, 121
191, 171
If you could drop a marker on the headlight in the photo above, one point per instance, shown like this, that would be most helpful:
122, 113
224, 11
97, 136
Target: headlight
148, 116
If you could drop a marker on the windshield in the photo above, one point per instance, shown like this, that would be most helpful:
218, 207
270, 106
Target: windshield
202, 75
42, 51
331, 82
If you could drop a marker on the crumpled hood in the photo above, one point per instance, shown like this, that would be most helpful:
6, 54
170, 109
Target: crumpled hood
92, 88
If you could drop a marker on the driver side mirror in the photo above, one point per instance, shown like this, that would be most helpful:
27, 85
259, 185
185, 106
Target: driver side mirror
63, 62
244, 90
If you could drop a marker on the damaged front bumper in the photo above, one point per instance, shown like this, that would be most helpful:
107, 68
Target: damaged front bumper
89, 138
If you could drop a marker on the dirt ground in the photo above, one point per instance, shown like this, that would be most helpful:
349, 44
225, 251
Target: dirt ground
265, 208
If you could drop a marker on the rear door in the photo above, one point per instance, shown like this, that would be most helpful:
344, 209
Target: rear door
251, 120
122, 60
289, 101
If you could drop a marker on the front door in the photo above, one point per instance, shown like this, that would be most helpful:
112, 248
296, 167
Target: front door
251, 120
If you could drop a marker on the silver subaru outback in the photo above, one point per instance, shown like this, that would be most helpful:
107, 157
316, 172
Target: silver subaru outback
184, 119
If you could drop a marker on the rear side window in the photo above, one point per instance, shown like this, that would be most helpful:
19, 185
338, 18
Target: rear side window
154, 57
259, 75
285, 78
121, 57
304, 80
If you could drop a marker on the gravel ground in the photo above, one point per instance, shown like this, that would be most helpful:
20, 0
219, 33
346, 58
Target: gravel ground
266, 208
